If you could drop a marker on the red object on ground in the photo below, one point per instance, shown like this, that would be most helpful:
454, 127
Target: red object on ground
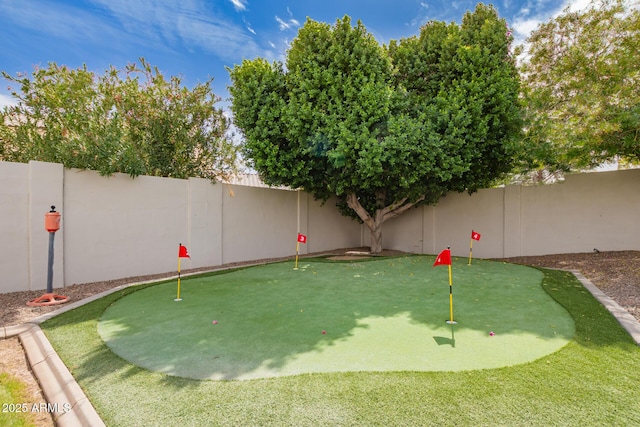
48, 299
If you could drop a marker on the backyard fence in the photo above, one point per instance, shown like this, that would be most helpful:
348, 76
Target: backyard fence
116, 227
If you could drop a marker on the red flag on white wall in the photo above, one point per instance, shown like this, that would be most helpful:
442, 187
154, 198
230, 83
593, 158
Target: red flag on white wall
182, 252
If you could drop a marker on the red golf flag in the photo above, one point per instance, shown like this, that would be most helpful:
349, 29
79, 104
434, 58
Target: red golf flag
182, 252
302, 238
444, 258
475, 235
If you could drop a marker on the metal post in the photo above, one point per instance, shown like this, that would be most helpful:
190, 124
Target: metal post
50, 266
51, 224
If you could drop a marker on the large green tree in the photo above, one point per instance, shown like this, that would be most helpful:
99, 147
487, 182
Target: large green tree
133, 121
581, 84
383, 128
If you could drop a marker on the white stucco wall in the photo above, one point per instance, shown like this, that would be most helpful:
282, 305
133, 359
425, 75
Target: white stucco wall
117, 227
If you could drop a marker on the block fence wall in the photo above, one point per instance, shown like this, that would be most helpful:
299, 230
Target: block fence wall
116, 227
585, 212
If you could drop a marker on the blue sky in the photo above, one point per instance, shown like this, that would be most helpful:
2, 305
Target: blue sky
197, 39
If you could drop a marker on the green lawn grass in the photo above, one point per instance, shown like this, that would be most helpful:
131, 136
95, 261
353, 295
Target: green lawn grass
591, 381
16, 406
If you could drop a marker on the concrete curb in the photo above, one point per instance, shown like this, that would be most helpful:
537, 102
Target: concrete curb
13, 331
68, 404
626, 320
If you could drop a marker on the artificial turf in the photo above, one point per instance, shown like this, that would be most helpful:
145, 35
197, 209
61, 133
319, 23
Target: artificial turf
592, 381
380, 315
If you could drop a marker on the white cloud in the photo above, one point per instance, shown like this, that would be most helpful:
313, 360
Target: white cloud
248, 26
292, 20
422, 15
239, 4
191, 21
526, 21
126, 24
283, 25
576, 5
523, 28
288, 24
58, 20
6, 100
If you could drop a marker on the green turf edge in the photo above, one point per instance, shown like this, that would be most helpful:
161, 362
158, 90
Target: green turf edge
591, 381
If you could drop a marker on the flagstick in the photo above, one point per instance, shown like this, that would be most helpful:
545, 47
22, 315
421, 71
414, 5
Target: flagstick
451, 321
178, 298
298, 230
298, 208
470, 249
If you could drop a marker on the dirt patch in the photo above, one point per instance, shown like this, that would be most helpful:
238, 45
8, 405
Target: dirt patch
14, 363
362, 253
348, 257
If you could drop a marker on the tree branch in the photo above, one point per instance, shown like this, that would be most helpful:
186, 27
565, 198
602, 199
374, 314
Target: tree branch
399, 207
354, 203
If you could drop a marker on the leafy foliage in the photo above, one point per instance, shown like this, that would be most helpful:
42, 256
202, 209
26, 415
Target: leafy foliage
132, 121
383, 128
581, 82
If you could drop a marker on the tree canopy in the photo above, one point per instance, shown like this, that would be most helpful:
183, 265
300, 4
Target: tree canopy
581, 83
133, 121
383, 128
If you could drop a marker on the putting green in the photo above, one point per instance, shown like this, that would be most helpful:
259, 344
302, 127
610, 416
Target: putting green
380, 315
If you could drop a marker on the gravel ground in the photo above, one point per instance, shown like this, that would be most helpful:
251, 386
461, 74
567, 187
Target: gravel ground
617, 274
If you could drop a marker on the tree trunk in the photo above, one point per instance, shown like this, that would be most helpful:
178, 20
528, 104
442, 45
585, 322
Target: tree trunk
376, 239
381, 215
